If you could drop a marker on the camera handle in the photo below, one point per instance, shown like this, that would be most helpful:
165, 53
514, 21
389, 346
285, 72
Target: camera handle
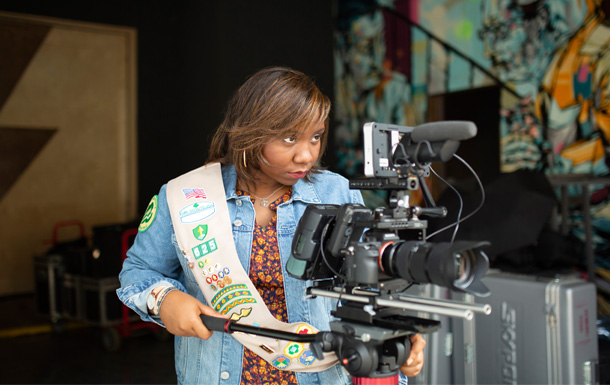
358, 346
230, 326
432, 212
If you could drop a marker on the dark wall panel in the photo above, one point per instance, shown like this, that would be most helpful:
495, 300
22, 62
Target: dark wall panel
482, 106
191, 57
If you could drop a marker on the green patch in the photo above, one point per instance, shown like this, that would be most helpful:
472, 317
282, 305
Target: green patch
205, 248
200, 232
149, 215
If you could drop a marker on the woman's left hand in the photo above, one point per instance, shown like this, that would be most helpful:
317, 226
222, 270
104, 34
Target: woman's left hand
415, 362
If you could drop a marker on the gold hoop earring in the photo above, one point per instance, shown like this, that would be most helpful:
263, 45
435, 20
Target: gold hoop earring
245, 165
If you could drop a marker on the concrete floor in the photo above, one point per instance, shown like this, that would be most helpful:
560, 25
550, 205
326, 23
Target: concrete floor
33, 353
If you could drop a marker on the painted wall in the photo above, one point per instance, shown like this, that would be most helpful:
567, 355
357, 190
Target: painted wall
556, 56
549, 58
551, 55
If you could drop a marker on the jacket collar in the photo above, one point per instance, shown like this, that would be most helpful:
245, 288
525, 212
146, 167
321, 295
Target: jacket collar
301, 191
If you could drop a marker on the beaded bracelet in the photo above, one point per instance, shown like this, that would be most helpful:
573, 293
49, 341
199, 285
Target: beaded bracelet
160, 297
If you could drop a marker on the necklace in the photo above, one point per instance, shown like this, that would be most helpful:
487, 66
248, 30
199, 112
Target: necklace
264, 202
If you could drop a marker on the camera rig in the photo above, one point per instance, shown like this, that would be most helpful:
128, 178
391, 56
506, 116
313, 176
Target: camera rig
365, 258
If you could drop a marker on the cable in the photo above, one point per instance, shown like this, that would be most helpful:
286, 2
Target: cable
324, 255
405, 157
459, 215
475, 210
407, 160
432, 154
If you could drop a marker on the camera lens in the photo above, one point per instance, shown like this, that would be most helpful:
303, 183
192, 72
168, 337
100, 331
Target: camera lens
463, 266
458, 266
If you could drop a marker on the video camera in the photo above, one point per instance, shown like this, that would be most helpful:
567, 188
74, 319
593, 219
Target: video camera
356, 246
366, 257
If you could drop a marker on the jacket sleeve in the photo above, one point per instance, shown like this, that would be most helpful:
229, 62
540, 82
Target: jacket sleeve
151, 261
357, 197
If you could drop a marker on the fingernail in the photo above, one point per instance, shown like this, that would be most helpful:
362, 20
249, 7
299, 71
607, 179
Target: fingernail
409, 361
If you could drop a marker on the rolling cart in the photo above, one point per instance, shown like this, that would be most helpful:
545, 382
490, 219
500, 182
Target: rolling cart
49, 272
70, 287
130, 322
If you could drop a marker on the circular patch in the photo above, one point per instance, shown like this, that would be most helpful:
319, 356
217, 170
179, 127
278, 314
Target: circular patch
149, 215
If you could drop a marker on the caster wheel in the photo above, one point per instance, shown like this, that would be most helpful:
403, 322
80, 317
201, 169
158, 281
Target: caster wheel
111, 339
58, 326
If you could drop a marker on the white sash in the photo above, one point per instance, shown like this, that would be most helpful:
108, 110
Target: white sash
198, 207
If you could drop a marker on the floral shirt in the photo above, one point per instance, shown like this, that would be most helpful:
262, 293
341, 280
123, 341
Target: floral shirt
266, 275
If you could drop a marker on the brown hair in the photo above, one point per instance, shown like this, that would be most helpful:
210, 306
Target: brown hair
275, 102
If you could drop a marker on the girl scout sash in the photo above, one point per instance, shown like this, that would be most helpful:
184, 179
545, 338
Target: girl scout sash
199, 212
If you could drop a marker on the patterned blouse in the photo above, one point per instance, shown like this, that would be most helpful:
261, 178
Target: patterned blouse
266, 275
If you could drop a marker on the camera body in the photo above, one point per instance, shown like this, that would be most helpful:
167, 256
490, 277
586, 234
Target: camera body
330, 242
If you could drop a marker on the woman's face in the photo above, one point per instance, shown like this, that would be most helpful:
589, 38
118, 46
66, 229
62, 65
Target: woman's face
290, 158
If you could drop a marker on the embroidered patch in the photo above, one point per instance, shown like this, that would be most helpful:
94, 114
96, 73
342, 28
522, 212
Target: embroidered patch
307, 358
229, 297
294, 349
205, 248
304, 329
281, 362
193, 193
226, 290
200, 232
244, 312
149, 214
237, 303
197, 212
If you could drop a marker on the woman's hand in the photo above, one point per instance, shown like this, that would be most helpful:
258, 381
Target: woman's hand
415, 362
180, 314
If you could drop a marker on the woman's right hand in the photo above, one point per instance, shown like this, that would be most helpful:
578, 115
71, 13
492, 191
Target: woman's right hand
180, 313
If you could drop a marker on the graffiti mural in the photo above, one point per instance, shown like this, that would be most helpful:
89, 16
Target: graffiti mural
368, 87
556, 54
553, 53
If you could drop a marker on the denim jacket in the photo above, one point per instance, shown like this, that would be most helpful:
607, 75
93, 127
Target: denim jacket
155, 259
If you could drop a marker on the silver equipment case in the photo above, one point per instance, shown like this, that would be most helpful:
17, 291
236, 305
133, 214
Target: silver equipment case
542, 330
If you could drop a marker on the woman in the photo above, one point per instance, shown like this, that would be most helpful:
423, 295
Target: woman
268, 145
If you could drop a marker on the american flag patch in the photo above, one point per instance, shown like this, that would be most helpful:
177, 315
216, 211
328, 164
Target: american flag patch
193, 193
